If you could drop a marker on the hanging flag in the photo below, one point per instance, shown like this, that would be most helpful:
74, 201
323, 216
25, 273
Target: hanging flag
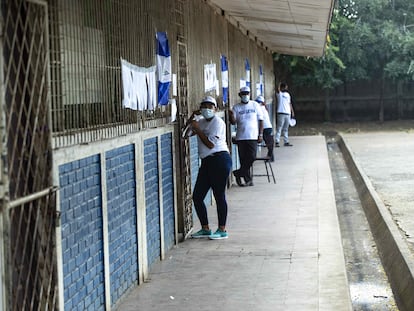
164, 68
247, 66
261, 80
225, 78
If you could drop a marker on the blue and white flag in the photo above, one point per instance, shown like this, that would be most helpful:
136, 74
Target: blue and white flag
164, 68
247, 67
225, 78
261, 80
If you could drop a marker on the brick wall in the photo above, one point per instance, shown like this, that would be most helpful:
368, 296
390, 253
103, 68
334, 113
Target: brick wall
86, 208
152, 203
81, 231
168, 190
122, 219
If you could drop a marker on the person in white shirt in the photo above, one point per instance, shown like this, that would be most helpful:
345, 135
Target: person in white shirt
248, 117
215, 167
267, 128
284, 113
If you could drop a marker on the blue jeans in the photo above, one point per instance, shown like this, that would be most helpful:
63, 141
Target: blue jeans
213, 173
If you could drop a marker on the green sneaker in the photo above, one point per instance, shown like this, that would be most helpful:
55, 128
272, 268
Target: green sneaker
201, 234
219, 235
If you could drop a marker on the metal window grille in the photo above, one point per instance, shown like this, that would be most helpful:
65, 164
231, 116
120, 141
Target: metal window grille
87, 40
29, 209
61, 87
32, 273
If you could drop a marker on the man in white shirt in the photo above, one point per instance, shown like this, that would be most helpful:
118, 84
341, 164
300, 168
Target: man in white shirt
284, 113
248, 117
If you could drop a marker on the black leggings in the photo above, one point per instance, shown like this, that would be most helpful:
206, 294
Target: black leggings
213, 173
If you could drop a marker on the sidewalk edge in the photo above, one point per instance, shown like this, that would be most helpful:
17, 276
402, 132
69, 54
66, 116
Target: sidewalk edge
393, 250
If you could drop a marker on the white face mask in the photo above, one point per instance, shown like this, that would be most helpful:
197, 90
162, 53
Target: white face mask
245, 98
207, 113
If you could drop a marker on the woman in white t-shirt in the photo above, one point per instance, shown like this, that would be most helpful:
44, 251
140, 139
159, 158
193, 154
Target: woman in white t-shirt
215, 167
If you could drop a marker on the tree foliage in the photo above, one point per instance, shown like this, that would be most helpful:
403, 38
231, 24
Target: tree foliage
368, 39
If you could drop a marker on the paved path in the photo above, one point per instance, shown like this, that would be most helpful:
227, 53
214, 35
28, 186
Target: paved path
387, 158
284, 250
383, 167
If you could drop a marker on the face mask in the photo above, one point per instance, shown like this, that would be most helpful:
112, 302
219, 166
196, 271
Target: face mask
245, 98
207, 113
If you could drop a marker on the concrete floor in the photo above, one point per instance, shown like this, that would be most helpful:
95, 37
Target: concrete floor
284, 250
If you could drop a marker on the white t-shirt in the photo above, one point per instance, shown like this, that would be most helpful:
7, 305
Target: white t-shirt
283, 103
247, 117
215, 130
266, 119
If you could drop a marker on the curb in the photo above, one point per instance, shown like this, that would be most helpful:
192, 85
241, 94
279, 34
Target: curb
393, 250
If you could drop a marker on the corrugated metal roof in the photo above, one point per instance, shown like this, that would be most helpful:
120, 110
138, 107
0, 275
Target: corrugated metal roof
294, 27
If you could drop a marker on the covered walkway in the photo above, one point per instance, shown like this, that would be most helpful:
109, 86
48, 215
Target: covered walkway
284, 250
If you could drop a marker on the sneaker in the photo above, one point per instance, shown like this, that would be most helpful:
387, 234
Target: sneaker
201, 234
249, 183
219, 235
288, 145
238, 179
277, 145
239, 182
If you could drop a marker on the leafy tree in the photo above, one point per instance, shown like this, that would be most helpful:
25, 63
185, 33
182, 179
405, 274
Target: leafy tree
323, 72
320, 72
377, 28
370, 40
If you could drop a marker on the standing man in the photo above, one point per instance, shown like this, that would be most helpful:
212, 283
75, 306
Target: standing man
267, 128
215, 167
248, 117
284, 113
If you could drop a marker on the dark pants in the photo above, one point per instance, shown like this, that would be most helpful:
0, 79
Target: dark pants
247, 155
270, 142
213, 173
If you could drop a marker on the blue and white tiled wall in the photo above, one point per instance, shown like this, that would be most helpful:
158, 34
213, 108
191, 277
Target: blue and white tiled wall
101, 211
122, 219
152, 200
81, 231
168, 190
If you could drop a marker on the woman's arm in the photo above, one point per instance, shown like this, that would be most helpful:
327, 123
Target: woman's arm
203, 137
232, 119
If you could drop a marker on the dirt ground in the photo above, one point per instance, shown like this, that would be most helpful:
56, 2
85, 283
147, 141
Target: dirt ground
329, 128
